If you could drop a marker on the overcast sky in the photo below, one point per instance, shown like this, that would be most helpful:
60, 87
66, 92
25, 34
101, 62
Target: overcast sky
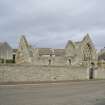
51, 23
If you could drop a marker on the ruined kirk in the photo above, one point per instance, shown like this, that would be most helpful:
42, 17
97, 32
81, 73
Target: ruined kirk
76, 61
74, 53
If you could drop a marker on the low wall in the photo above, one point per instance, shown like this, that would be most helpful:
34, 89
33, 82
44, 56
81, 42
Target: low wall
23, 73
100, 73
33, 73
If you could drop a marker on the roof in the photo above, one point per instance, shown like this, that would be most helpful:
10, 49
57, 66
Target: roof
44, 51
70, 43
5, 44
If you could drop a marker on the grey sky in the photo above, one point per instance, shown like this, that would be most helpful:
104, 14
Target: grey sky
50, 23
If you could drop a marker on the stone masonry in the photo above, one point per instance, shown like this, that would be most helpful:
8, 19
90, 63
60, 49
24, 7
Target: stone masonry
74, 53
77, 61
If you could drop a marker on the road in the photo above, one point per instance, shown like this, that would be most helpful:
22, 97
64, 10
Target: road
69, 93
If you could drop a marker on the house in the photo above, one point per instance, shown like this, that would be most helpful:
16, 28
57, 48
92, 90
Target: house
6, 53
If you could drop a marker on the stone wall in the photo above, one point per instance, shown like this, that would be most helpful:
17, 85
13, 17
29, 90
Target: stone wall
59, 61
100, 73
27, 73
35, 73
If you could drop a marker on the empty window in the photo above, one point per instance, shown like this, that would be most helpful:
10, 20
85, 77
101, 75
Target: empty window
69, 61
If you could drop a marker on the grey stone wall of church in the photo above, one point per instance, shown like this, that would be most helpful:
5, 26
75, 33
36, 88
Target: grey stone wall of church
59, 61
26, 73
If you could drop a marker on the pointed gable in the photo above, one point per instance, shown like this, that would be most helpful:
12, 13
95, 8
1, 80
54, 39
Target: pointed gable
87, 37
23, 43
87, 40
6, 45
70, 43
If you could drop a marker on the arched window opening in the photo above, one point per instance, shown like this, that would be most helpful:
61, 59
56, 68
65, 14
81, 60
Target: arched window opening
87, 52
69, 61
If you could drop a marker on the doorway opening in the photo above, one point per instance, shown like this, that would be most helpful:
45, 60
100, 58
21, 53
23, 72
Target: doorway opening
69, 61
14, 56
91, 73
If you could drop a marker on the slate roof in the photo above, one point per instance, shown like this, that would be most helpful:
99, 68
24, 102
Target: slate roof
5, 51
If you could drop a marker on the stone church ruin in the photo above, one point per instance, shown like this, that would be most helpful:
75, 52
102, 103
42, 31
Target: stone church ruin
76, 61
74, 53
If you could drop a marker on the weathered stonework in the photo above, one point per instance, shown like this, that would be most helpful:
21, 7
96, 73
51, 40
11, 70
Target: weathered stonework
24, 53
27, 73
75, 53
77, 61
82, 52
36, 73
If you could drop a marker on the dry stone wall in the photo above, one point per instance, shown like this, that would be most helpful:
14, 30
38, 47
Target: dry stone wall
26, 73
35, 73
100, 73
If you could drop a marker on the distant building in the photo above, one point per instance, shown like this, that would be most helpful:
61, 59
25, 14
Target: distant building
6, 52
101, 55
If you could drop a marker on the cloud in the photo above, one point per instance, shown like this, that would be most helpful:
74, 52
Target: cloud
50, 23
